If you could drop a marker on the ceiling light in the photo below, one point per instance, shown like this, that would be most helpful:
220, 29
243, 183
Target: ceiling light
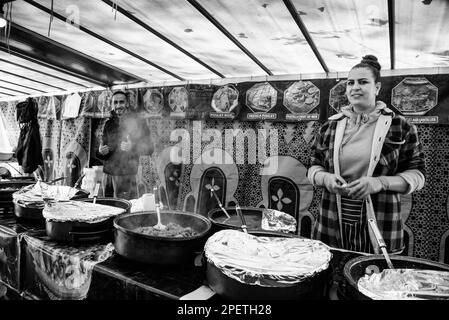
2, 20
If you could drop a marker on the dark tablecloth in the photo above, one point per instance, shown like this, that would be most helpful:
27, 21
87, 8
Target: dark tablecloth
118, 278
33, 265
37, 267
11, 231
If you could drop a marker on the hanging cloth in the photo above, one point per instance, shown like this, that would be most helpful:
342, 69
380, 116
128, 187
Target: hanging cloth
71, 106
5, 146
48, 107
104, 104
53, 108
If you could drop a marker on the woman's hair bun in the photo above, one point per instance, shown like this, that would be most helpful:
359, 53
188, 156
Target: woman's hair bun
372, 61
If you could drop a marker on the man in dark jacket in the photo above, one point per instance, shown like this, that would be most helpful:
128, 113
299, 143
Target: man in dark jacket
125, 138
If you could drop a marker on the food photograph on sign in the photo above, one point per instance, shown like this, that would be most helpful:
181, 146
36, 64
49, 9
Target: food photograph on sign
178, 100
261, 97
153, 101
414, 96
337, 96
132, 99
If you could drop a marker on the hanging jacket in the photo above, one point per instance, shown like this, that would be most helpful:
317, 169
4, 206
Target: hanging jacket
117, 130
29, 146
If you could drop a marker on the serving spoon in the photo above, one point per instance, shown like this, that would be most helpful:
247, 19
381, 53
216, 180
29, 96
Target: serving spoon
239, 212
56, 180
380, 241
220, 204
97, 188
159, 225
78, 182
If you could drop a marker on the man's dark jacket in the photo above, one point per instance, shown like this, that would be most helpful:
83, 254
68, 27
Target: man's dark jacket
29, 146
117, 130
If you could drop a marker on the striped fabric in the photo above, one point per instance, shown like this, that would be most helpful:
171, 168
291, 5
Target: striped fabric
355, 226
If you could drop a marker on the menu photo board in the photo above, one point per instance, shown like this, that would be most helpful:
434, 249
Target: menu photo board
301, 99
414, 97
417, 98
200, 97
225, 103
337, 96
153, 103
178, 102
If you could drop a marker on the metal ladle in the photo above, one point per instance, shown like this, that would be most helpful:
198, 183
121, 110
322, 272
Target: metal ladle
159, 225
239, 212
56, 180
220, 204
78, 182
97, 188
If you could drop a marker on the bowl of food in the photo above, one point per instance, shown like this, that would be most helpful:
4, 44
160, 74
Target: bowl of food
136, 238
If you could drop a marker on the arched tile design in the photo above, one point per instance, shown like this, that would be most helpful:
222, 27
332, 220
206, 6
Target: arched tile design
287, 188
208, 166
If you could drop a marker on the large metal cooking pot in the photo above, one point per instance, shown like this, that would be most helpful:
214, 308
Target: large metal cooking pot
253, 219
314, 287
35, 214
7, 188
21, 178
355, 269
81, 232
159, 250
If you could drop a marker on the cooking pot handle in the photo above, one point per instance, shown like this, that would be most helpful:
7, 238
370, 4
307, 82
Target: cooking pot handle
88, 236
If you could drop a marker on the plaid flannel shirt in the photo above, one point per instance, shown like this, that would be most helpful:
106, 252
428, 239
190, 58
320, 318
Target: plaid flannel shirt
401, 151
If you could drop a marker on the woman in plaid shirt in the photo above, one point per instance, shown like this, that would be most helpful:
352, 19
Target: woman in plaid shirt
365, 157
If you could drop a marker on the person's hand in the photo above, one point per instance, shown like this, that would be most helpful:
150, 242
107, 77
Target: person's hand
361, 188
333, 182
104, 149
126, 145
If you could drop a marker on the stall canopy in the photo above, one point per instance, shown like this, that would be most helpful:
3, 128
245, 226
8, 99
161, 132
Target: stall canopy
68, 45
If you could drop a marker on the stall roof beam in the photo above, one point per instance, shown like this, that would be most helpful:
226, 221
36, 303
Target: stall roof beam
220, 27
99, 37
49, 65
161, 36
21, 85
29, 79
391, 31
5, 94
294, 13
63, 57
10, 89
44, 73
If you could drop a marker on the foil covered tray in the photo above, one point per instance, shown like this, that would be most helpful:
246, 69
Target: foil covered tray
409, 284
266, 261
